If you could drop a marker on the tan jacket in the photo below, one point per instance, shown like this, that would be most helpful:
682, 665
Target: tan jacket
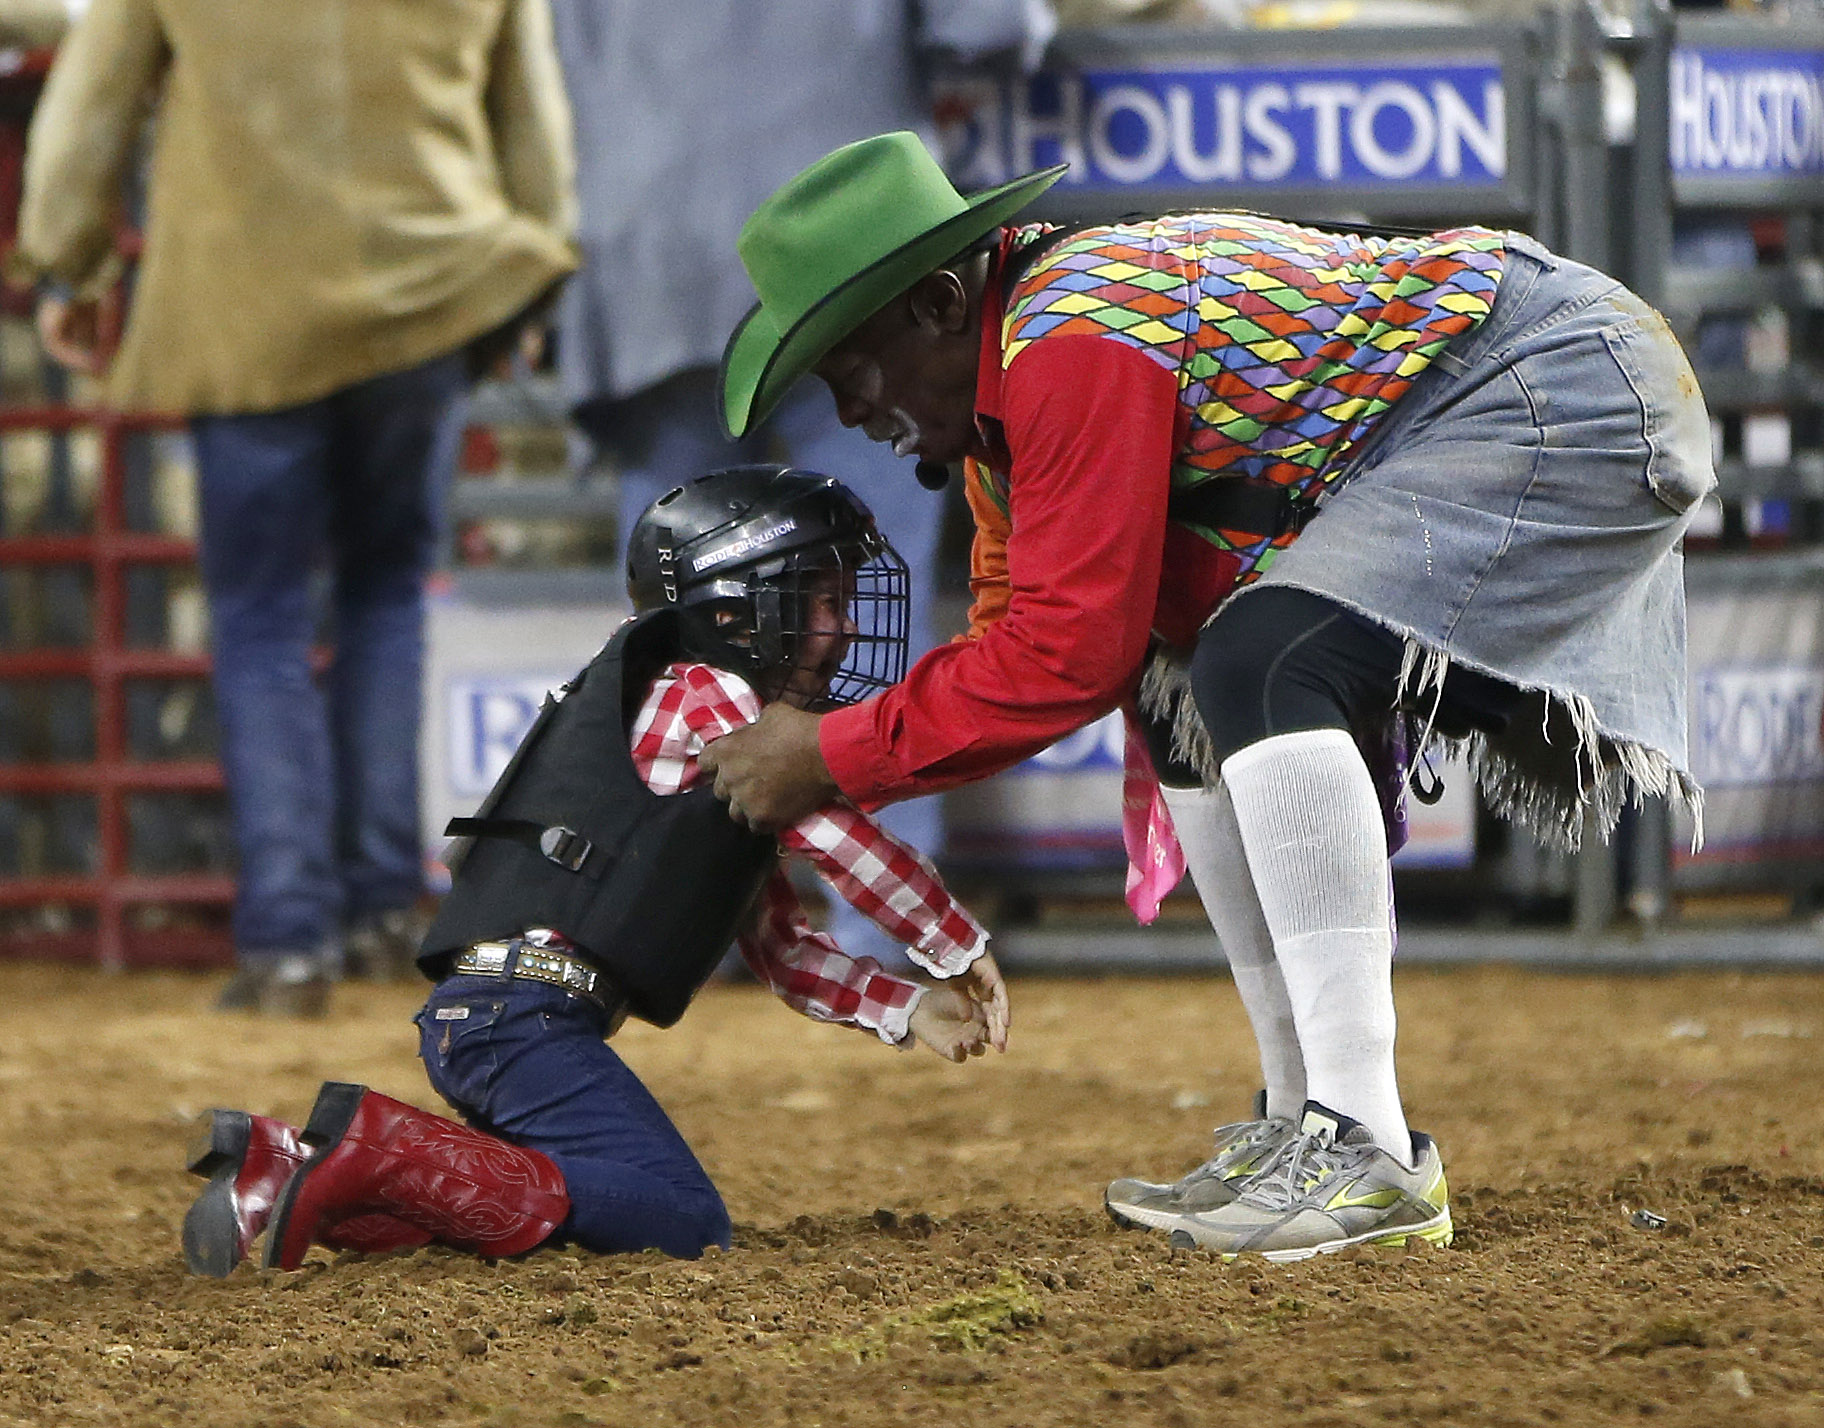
338, 188
28, 24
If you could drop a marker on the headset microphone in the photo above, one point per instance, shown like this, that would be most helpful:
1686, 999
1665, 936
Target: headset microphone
932, 475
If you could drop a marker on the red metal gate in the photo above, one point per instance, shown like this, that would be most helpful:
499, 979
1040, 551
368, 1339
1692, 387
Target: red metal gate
109, 890
110, 887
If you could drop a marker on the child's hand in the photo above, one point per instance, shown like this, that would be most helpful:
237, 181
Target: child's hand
950, 1023
984, 985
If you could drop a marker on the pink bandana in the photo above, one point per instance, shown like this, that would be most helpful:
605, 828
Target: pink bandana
1155, 862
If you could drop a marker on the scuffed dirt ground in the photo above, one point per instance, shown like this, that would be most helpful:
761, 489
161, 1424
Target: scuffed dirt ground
923, 1243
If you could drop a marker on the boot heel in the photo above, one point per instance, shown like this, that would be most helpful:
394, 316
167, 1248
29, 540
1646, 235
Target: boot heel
211, 1232
220, 1138
329, 1120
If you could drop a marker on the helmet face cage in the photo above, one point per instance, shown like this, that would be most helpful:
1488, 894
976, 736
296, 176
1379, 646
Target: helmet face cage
801, 538
876, 587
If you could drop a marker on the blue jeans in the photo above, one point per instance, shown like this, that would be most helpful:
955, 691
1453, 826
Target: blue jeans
323, 777
667, 434
526, 1062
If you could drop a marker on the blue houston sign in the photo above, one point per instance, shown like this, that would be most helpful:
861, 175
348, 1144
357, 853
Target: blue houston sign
1747, 113
1265, 125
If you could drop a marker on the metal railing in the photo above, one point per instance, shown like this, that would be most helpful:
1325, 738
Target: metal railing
113, 774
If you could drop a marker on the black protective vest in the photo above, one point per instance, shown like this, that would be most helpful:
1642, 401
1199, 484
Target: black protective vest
651, 888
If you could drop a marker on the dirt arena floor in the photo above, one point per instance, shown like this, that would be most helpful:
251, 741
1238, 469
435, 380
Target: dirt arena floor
918, 1242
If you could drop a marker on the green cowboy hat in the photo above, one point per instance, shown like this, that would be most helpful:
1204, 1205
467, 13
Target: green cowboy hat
834, 245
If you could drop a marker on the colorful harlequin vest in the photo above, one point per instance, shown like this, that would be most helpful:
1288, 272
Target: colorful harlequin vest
1288, 343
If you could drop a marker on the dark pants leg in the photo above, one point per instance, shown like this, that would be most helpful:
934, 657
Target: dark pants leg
322, 784
1282, 660
527, 1062
264, 523
397, 443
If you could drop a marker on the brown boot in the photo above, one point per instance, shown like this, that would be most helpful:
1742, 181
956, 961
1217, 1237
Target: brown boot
372, 1154
247, 1159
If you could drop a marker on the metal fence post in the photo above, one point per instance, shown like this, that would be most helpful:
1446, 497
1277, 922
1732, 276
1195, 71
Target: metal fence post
1548, 137
1588, 237
1650, 221
1582, 41
1649, 253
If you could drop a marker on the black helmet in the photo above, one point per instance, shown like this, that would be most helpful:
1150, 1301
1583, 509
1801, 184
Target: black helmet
736, 552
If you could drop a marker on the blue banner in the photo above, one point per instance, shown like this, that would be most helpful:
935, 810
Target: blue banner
1747, 113
1345, 127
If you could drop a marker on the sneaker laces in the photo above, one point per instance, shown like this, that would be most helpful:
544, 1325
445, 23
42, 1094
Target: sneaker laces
1302, 1160
1234, 1144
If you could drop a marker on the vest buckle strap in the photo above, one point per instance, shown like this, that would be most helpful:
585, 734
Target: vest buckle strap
1257, 508
565, 847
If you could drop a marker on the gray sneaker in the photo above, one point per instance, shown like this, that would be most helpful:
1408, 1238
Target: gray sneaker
1240, 1150
1328, 1186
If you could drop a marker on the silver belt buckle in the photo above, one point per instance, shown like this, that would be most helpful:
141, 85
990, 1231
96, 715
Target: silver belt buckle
489, 959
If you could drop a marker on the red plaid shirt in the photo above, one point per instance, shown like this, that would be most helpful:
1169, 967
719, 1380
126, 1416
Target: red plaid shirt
691, 705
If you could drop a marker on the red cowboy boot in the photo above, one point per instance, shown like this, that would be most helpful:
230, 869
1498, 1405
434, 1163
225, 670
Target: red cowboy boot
247, 1159
376, 1155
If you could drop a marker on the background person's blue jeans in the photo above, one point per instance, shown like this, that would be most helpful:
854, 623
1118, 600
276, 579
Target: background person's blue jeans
526, 1061
323, 777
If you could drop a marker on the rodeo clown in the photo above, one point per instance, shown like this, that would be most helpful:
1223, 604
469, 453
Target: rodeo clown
601, 880
1444, 478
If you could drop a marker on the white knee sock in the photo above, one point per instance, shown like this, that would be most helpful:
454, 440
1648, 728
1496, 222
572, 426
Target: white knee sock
1205, 820
1317, 850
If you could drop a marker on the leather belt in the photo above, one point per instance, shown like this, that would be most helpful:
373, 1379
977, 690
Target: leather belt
521, 959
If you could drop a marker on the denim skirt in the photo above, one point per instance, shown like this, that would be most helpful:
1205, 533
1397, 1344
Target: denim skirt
1520, 512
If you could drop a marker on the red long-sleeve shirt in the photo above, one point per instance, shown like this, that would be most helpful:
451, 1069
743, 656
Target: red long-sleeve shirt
690, 705
1090, 426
